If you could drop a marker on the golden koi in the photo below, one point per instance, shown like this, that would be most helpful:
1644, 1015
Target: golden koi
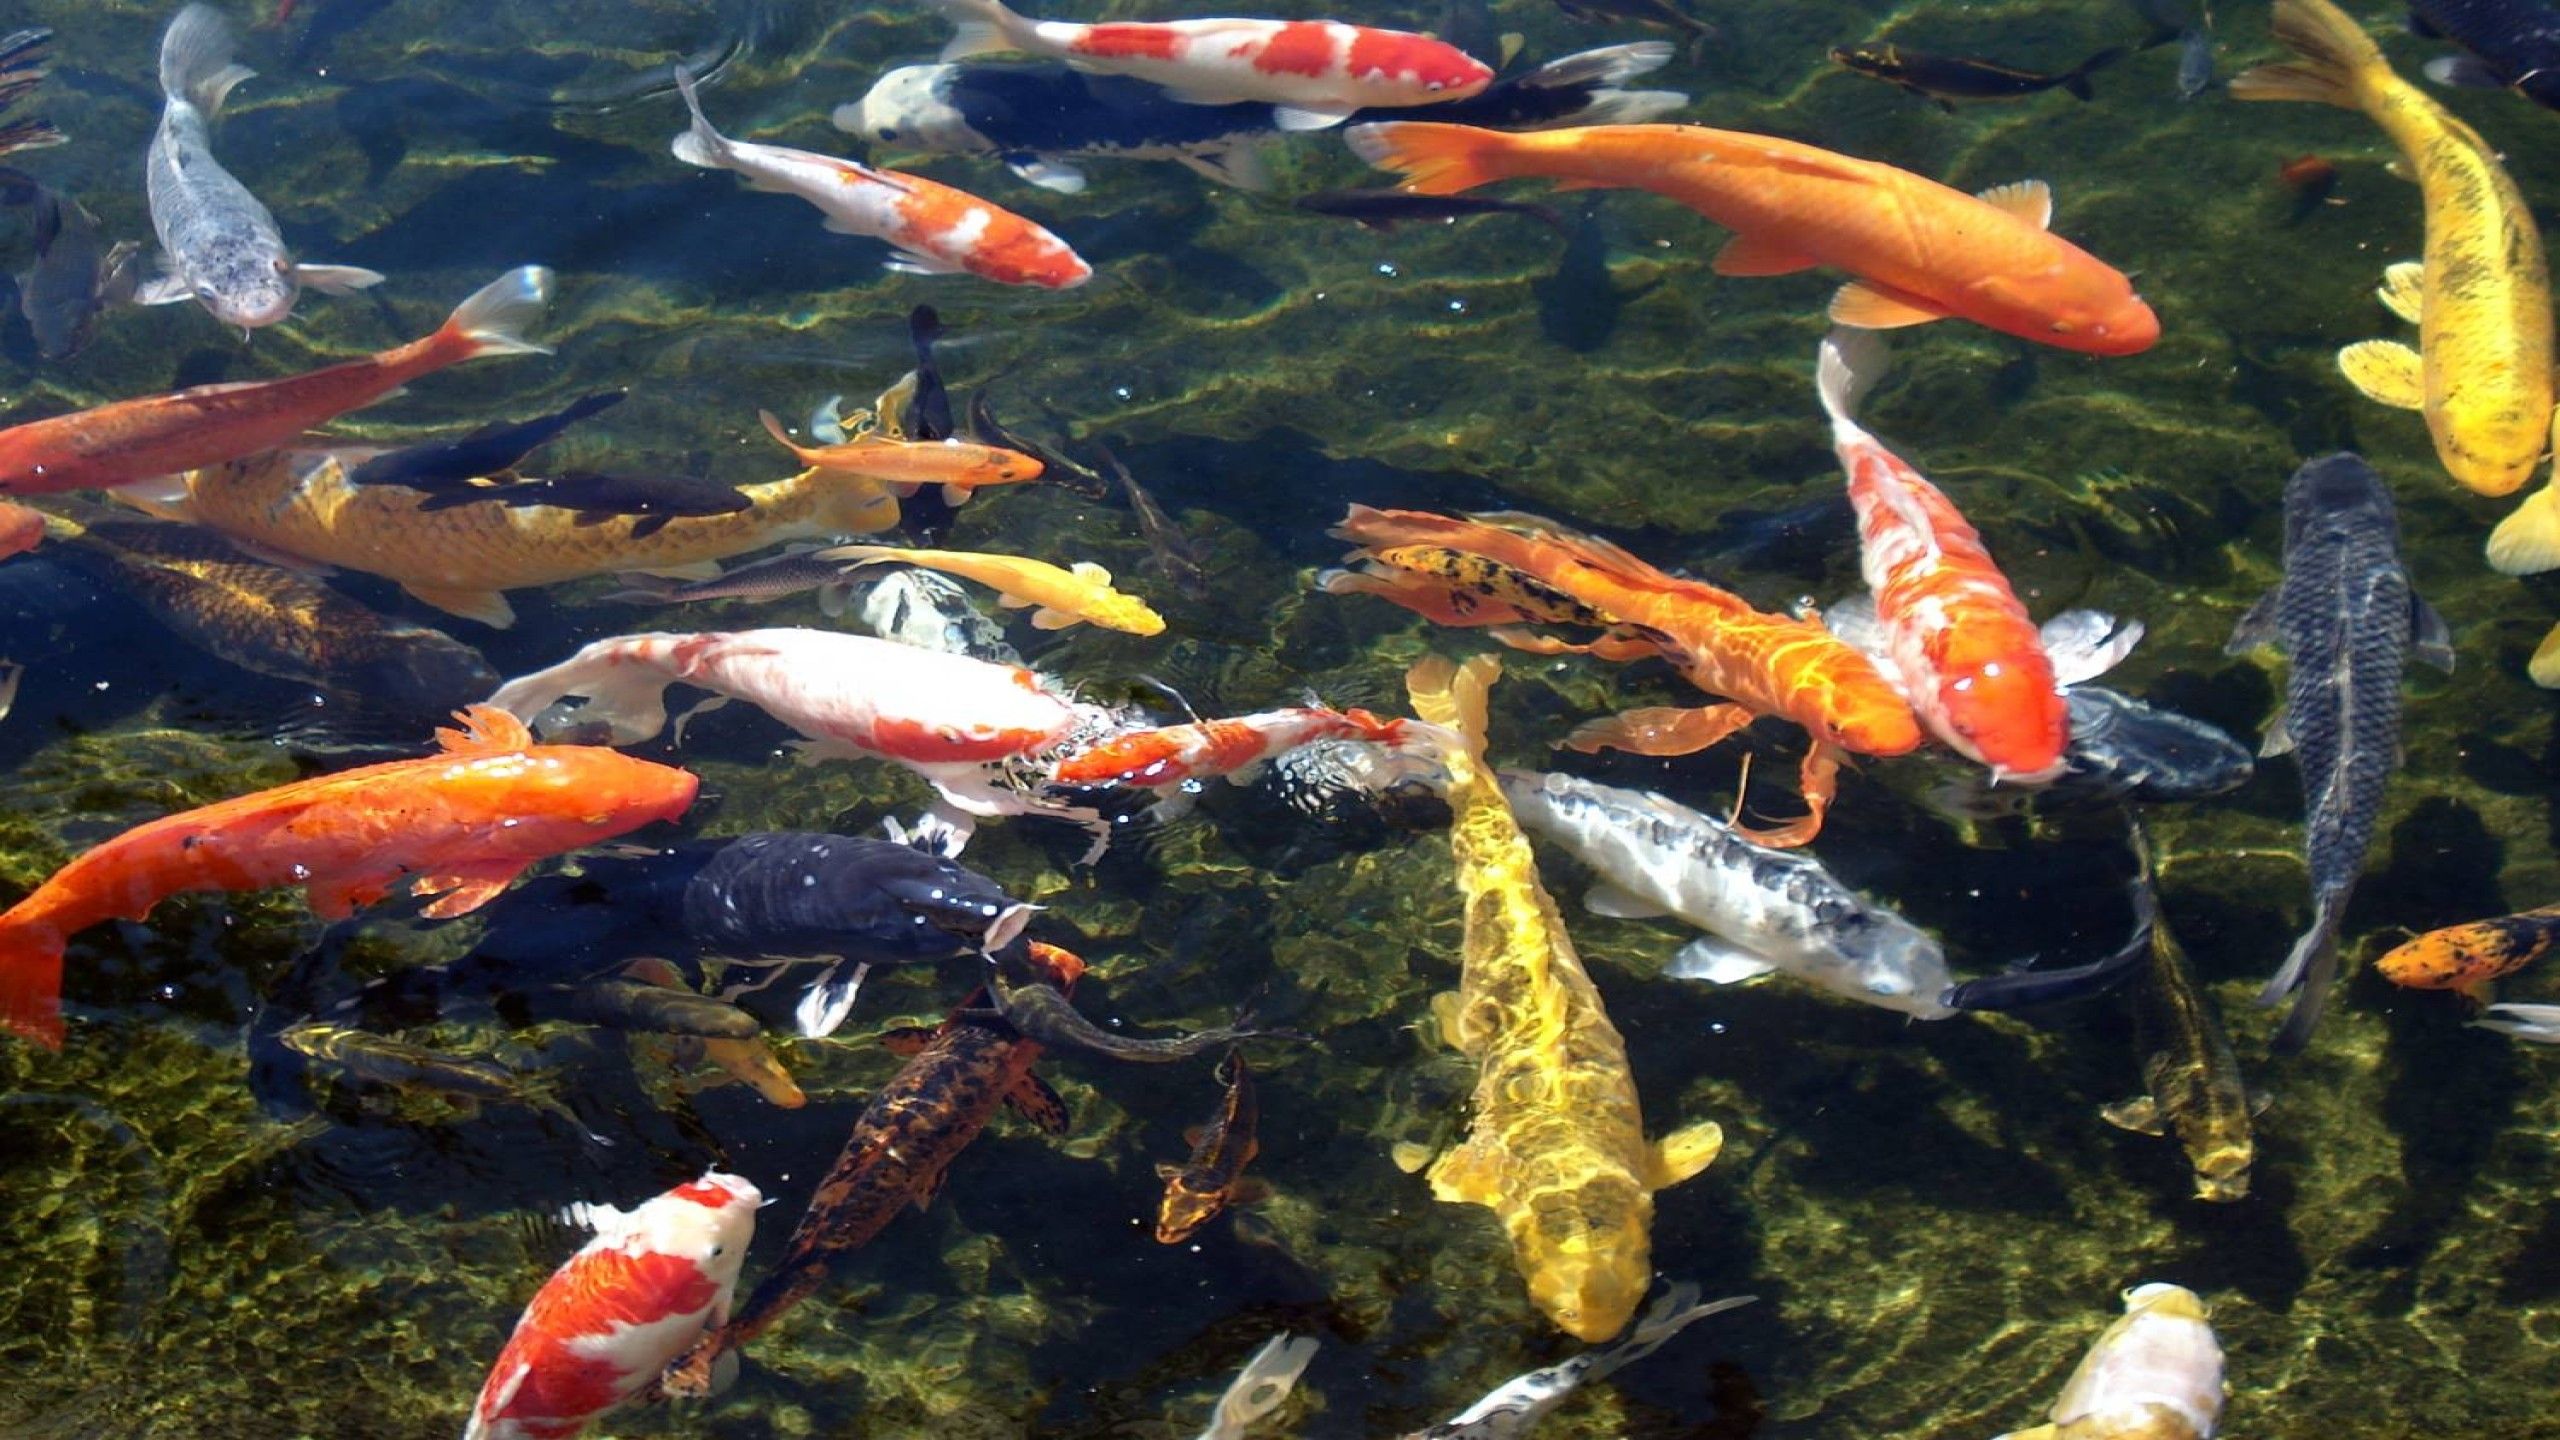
2482, 300
1061, 597
1556, 1146
960, 467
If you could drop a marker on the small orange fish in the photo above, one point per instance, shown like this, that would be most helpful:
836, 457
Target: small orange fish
2468, 958
131, 440
1196, 1192
465, 822
960, 467
1176, 754
1920, 250
20, 529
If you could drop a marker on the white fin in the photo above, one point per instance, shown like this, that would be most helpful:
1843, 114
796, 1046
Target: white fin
2537, 1023
826, 423
985, 27
2085, 644
1621, 107
2279, 739
494, 317
1853, 619
2028, 200
1605, 66
2404, 290
2463, 72
1239, 166
336, 279
1851, 363
1676, 1311
1294, 117
166, 288
908, 262
1716, 962
1263, 1385
195, 59
608, 1221
1049, 174
824, 1006
701, 145
1617, 904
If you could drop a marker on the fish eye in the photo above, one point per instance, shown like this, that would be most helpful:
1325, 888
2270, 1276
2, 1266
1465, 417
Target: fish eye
888, 132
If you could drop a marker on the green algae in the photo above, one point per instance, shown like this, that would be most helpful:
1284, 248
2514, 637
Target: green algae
1934, 1215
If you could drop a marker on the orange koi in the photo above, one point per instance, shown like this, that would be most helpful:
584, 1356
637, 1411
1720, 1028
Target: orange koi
20, 529
465, 821
1761, 664
2468, 958
1971, 661
1452, 587
1920, 250
1236, 748
131, 440
960, 467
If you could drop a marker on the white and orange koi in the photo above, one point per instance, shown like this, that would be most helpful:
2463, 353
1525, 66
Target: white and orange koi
1236, 748
1955, 636
955, 721
1316, 72
936, 229
608, 1320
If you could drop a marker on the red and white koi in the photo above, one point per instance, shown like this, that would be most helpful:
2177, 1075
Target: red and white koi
1315, 72
937, 230
1955, 637
956, 721
607, 1321
1179, 754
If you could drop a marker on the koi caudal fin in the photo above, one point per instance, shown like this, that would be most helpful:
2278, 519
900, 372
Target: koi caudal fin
493, 320
2335, 53
1434, 159
31, 980
1451, 698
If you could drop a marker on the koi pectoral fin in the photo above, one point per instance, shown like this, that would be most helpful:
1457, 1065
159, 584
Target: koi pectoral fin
339, 896
1468, 1175
2141, 1115
1033, 1100
1819, 780
1659, 730
462, 891
1684, 1152
2387, 372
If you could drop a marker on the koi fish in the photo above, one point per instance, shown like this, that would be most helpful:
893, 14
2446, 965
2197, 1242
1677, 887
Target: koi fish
609, 1319
2534, 1024
21, 529
1237, 748
934, 229
1555, 1143
1920, 251
1315, 72
1968, 657
129, 440
960, 467
1176, 555
1057, 598
1518, 1404
465, 822
1454, 587
2511, 45
898, 1155
746, 1059
2468, 959
2482, 300
2156, 1374
488, 450
945, 717
1762, 664
300, 504
1949, 78
1038, 117
1042, 1012
2191, 1079
650, 502
1213, 1178
2348, 622
1260, 1388
220, 246
1762, 909
2121, 749
77, 274
399, 1065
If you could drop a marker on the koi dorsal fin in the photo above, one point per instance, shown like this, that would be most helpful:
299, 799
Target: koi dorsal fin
486, 730
2028, 200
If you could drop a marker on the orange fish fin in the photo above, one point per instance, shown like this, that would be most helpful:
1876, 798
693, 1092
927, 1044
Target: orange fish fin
2028, 200
1659, 730
1033, 1100
338, 896
1433, 159
1870, 308
460, 892
1761, 255
486, 730
31, 981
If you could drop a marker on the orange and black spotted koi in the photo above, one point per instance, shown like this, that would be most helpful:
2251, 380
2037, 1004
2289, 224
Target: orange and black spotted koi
1214, 1178
956, 1077
2468, 958
1453, 587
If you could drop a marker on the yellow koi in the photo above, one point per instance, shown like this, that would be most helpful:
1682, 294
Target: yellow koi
297, 505
1064, 597
2482, 372
1555, 1146
750, 1062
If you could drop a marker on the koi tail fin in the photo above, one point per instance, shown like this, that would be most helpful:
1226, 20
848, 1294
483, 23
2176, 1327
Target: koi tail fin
2527, 542
492, 321
1434, 159
195, 59
2313, 966
2077, 82
622, 680
1851, 364
2335, 51
700, 145
983, 27
1451, 697
31, 981
2544, 668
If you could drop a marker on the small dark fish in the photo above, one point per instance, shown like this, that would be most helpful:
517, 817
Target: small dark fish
2195, 63
597, 498
1949, 78
78, 273
448, 466
1177, 559
2121, 750
618, 1004
2513, 45
1196, 1191
2312, 180
2190, 1076
2347, 620
1056, 469
1643, 12
414, 1069
789, 574
1042, 1012
929, 408
2018, 989
1578, 303
1386, 209
22, 62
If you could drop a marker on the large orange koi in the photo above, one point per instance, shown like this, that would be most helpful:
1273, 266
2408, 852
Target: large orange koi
465, 821
1921, 251
1762, 664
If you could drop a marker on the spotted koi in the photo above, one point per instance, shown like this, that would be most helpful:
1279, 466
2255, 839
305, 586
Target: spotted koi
1236, 748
